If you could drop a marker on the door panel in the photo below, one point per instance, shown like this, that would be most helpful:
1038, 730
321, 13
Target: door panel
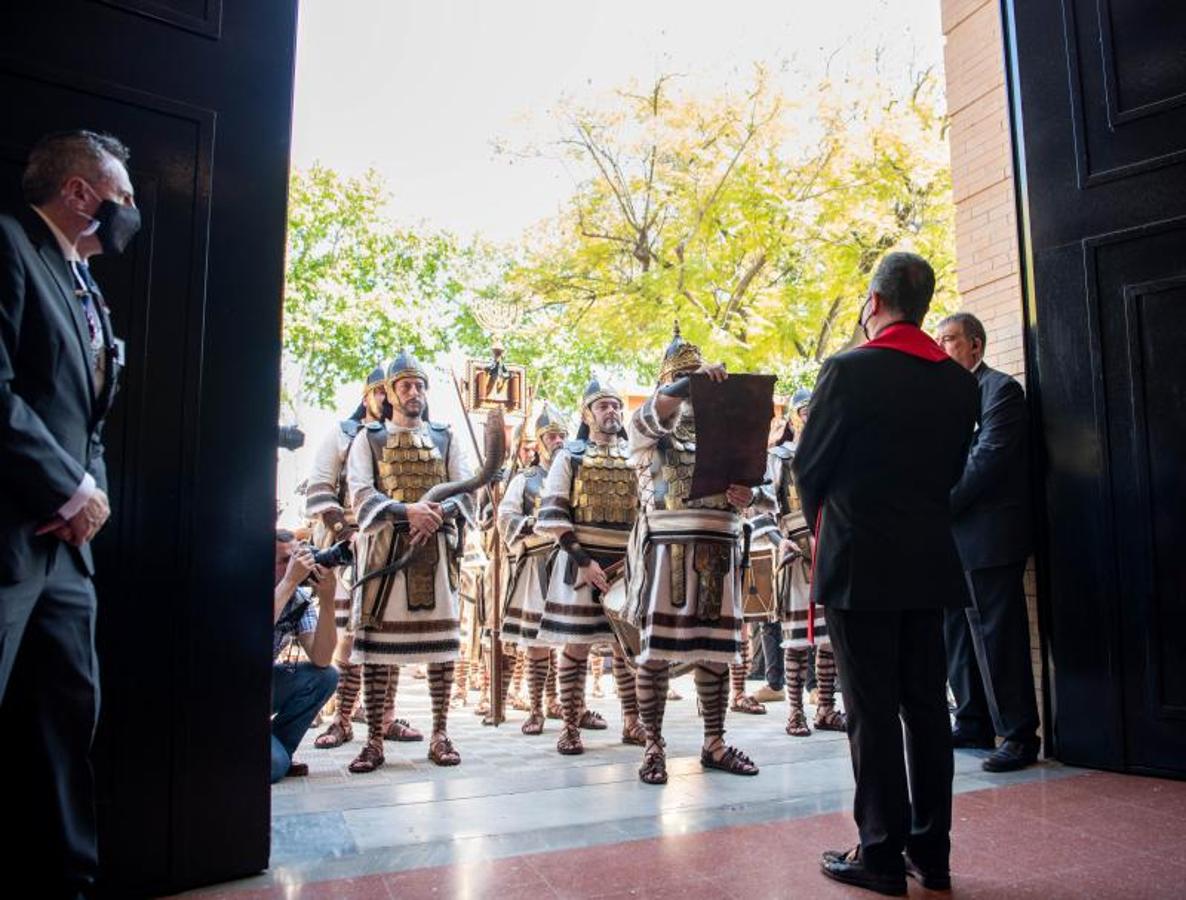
202, 96
1101, 165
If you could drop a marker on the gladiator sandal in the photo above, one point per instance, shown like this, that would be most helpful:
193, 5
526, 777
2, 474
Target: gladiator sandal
401, 730
442, 752
635, 734
572, 683
555, 709
370, 758
537, 674
731, 760
827, 716
744, 703
712, 687
654, 764
349, 685
592, 721
340, 732
335, 736
569, 743
795, 663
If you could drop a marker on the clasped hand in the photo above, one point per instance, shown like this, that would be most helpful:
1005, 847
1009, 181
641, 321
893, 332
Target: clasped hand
83, 525
424, 520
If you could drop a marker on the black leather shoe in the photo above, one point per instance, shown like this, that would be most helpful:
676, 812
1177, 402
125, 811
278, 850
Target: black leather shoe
847, 867
930, 879
1011, 756
963, 740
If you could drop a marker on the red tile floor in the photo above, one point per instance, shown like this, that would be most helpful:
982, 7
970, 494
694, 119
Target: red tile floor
1096, 835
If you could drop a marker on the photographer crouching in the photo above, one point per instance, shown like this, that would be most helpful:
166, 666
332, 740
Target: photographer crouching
302, 610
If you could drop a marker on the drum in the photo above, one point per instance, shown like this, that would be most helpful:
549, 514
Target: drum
613, 604
759, 596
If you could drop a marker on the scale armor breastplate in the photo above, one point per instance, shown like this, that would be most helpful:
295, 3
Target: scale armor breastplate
411, 463
604, 487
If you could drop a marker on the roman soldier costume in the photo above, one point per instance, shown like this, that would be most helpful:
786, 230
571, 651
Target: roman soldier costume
803, 623
327, 506
589, 504
530, 556
685, 582
409, 615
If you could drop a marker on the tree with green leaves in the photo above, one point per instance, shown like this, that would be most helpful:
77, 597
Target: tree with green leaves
753, 220
358, 287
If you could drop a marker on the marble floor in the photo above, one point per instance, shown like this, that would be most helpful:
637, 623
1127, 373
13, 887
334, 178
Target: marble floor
518, 817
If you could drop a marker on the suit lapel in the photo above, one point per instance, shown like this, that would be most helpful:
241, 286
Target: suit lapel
111, 357
59, 271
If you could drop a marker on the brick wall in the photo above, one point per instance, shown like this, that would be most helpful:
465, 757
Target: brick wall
987, 267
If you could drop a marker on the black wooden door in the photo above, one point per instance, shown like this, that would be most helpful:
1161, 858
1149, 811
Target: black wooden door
1099, 104
201, 92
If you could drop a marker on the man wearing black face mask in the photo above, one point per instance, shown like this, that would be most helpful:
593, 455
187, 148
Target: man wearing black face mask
59, 368
890, 427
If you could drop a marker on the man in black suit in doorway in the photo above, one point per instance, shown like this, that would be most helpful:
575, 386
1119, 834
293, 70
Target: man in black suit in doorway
59, 367
891, 422
988, 644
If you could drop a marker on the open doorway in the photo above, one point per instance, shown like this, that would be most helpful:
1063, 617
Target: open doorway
567, 183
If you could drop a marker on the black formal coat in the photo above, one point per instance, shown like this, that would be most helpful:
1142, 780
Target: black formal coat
991, 502
884, 445
50, 416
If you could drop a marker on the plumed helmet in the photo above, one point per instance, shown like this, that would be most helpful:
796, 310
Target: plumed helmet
406, 365
680, 356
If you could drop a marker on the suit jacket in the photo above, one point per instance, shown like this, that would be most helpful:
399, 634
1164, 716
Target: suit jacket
879, 455
50, 417
991, 502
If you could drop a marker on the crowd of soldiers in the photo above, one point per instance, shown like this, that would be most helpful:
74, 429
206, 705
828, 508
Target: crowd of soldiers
606, 555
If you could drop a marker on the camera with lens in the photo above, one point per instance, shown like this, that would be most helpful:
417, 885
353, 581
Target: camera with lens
333, 557
289, 437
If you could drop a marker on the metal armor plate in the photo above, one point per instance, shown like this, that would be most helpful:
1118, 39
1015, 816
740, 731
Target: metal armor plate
412, 463
604, 488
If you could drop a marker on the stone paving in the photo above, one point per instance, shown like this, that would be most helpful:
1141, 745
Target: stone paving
515, 795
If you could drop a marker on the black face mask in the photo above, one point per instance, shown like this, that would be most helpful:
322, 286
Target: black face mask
118, 224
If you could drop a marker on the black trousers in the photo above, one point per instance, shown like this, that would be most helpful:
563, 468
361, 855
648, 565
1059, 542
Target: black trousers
988, 657
49, 687
894, 671
776, 676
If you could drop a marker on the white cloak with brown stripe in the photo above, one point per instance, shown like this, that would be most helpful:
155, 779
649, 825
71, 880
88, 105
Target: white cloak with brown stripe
404, 636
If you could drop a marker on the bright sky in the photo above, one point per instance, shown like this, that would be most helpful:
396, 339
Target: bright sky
420, 89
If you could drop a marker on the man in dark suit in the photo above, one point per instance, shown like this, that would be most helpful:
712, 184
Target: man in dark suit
891, 422
59, 366
988, 644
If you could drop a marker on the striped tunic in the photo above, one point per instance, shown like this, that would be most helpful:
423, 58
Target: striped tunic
529, 554
405, 635
572, 611
322, 495
793, 581
664, 579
